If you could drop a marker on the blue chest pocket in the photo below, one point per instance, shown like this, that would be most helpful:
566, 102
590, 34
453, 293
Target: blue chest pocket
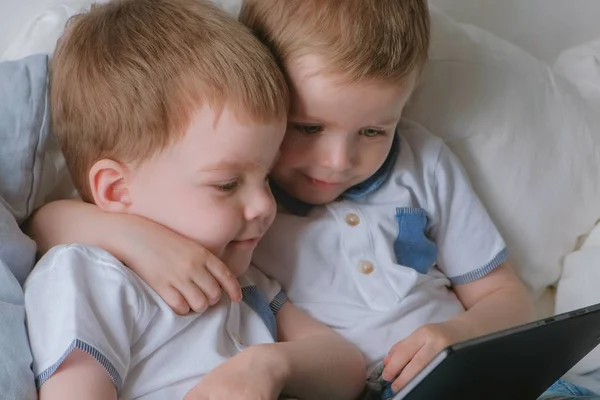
412, 247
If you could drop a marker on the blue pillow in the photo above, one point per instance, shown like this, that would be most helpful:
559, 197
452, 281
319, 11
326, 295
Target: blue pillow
24, 132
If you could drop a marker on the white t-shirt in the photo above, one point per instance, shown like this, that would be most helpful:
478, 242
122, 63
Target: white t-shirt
379, 263
82, 297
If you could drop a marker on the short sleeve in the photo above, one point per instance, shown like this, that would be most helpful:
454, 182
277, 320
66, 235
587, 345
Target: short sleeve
270, 288
76, 298
469, 244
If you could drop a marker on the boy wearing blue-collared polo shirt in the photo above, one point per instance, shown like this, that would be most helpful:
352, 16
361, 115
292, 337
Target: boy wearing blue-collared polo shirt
379, 234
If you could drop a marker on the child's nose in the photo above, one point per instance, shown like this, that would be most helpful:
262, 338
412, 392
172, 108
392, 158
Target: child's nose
337, 156
262, 205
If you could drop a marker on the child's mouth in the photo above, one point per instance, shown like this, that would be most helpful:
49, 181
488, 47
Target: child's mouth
319, 184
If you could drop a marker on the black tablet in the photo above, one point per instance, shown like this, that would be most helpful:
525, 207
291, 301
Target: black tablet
518, 363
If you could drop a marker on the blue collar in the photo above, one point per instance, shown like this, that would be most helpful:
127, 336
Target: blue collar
364, 188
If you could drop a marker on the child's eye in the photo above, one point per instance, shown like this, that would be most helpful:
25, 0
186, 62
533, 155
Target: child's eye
308, 129
370, 132
228, 186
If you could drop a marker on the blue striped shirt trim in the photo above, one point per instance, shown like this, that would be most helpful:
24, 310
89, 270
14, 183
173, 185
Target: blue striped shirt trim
278, 302
379, 177
411, 210
92, 351
257, 301
481, 272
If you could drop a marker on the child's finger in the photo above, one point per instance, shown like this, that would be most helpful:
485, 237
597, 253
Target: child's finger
174, 299
401, 356
209, 286
225, 278
414, 366
194, 296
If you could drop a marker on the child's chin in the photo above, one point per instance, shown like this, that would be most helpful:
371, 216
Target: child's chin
320, 198
238, 263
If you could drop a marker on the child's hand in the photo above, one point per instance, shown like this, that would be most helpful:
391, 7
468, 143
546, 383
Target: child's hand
251, 375
185, 274
408, 357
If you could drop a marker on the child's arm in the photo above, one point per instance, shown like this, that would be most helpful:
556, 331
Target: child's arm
79, 377
310, 362
182, 272
83, 314
314, 353
495, 302
472, 254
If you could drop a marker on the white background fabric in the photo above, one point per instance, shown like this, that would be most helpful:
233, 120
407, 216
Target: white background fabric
542, 27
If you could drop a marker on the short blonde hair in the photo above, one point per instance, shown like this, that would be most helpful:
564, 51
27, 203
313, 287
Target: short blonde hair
359, 39
128, 75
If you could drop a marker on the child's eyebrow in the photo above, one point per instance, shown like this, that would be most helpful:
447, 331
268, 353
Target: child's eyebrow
388, 121
229, 166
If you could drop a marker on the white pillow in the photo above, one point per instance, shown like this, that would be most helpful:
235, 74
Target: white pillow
43, 28
528, 140
48, 18
578, 285
581, 66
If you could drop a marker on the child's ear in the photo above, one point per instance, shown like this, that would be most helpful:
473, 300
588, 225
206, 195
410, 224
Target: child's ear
108, 186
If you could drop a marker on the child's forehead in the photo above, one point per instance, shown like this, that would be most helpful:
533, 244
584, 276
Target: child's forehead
310, 70
217, 140
330, 99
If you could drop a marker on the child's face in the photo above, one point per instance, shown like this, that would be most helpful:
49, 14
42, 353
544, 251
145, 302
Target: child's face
339, 134
211, 186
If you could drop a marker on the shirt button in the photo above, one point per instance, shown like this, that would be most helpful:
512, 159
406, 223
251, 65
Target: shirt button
352, 219
366, 267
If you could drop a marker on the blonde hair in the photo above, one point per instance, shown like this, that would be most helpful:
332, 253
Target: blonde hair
359, 39
128, 75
